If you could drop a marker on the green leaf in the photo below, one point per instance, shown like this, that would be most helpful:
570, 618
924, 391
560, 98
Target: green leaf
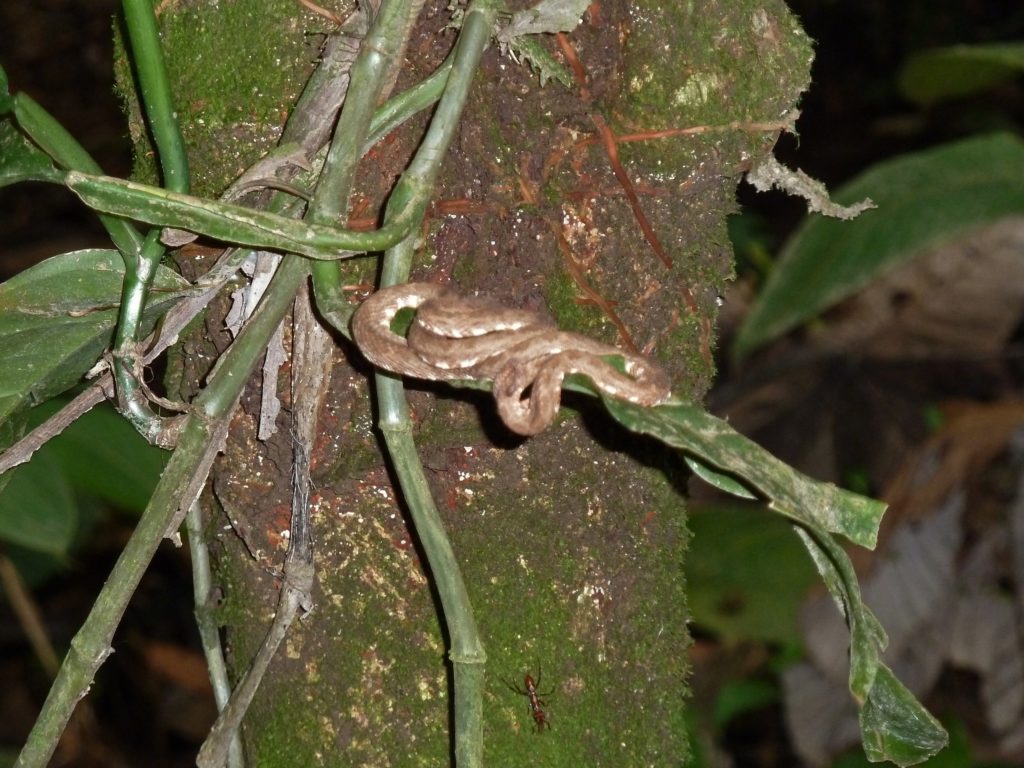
103, 455
236, 224
714, 443
57, 317
867, 638
958, 754
37, 508
895, 727
943, 74
6, 101
21, 160
923, 199
719, 480
747, 573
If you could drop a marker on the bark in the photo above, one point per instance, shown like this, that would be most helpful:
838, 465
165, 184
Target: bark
571, 542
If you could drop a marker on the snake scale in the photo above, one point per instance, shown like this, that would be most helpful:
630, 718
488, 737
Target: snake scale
462, 337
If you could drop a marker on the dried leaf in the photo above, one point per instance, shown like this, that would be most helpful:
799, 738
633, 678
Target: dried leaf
547, 16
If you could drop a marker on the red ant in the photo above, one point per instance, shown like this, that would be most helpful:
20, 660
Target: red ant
533, 694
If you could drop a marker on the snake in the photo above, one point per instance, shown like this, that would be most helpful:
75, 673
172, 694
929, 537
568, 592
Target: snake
526, 356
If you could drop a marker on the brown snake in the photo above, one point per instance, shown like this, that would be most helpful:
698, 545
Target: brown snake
459, 337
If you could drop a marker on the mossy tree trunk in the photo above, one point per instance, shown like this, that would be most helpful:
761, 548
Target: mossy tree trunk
571, 542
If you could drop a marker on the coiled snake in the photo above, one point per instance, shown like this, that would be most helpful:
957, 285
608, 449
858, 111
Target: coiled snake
459, 337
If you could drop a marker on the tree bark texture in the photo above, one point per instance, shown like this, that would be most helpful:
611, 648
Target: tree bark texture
571, 542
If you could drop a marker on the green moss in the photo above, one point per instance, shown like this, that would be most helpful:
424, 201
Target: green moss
280, 732
583, 597
563, 299
744, 60
232, 71
366, 658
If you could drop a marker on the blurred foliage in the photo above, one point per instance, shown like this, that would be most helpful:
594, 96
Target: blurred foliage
748, 573
50, 504
944, 74
922, 199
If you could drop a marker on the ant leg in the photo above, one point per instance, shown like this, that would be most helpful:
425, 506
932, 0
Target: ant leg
513, 688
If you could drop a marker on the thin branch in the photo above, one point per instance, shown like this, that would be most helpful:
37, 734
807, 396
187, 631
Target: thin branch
206, 623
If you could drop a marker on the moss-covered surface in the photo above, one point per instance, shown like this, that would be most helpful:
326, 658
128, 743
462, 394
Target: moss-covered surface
235, 67
572, 542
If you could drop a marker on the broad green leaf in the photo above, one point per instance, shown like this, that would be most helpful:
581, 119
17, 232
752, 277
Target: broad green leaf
895, 727
942, 74
37, 508
21, 160
747, 573
103, 455
714, 443
57, 317
923, 199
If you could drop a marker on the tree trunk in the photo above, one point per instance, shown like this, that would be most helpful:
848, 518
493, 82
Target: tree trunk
571, 542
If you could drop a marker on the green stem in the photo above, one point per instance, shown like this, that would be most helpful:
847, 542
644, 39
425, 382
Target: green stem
476, 30
140, 21
206, 622
91, 645
144, 38
467, 652
326, 284
131, 400
401, 107
231, 223
184, 477
330, 201
40, 126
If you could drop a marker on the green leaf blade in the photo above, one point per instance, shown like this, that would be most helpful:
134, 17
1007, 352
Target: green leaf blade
718, 446
943, 74
37, 508
57, 317
923, 199
21, 160
895, 727
104, 456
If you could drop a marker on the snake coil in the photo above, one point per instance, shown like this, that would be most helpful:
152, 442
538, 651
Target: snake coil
459, 337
